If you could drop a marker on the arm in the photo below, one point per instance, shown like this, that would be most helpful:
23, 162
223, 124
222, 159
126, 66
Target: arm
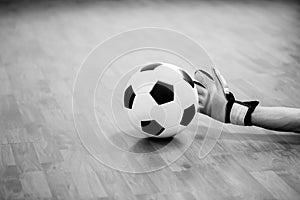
277, 118
216, 101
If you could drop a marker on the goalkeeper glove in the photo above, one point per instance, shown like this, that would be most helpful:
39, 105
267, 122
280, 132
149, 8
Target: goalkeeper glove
216, 100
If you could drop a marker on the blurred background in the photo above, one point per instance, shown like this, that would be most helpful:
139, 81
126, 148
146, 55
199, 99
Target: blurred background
255, 44
238, 35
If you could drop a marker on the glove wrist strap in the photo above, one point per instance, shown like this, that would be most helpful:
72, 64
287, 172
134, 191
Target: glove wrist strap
238, 112
230, 101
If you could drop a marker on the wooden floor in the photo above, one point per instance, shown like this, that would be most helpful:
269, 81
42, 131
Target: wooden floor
255, 45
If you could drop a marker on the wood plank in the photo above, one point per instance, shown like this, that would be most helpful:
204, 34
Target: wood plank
35, 185
25, 157
200, 188
5, 88
30, 113
275, 185
291, 177
215, 179
11, 188
10, 185
276, 160
115, 185
239, 179
61, 185
166, 181
140, 183
47, 151
82, 172
176, 195
16, 135
256, 139
10, 117
173, 151
6, 156
88, 184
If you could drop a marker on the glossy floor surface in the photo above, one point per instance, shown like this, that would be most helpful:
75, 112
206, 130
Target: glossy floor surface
255, 45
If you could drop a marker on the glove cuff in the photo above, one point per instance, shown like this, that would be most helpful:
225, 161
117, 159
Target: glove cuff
230, 101
238, 112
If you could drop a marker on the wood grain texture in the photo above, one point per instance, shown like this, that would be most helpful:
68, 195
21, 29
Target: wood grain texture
35, 185
277, 187
255, 45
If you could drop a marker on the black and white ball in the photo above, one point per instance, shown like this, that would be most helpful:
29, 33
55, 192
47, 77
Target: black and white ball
161, 100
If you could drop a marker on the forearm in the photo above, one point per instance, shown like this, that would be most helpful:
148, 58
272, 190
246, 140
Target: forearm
277, 118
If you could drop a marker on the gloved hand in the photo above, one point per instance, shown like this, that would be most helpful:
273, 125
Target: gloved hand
216, 101
212, 100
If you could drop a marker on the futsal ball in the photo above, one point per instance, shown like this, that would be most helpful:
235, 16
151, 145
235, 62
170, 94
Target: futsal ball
161, 100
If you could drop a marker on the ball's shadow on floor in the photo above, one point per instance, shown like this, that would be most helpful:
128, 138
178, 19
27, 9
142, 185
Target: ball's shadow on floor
151, 145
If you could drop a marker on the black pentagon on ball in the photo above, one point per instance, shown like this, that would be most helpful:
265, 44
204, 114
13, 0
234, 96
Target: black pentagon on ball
129, 96
162, 92
151, 66
152, 127
187, 78
188, 115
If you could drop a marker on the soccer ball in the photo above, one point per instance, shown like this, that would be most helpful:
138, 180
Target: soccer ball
161, 100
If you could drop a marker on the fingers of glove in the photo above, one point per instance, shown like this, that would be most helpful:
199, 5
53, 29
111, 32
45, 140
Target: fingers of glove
204, 78
200, 89
202, 103
199, 84
200, 109
203, 100
220, 81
